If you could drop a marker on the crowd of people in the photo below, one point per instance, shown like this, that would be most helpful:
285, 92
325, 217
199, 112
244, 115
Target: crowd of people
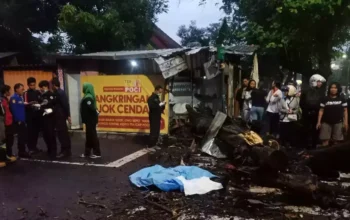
27, 113
294, 116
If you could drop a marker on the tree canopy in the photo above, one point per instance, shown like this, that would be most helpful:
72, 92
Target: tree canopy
305, 33
89, 26
216, 33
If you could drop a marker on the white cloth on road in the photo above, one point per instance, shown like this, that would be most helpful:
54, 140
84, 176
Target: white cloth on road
199, 186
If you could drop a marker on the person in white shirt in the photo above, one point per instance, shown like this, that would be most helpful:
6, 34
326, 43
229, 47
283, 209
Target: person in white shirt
272, 112
289, 116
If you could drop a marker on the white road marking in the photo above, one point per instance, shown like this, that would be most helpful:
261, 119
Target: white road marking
114, 164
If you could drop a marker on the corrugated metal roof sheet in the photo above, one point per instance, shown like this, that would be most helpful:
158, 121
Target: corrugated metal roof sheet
133, 54
7, 54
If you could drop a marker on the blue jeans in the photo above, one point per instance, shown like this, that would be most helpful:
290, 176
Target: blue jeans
257, 113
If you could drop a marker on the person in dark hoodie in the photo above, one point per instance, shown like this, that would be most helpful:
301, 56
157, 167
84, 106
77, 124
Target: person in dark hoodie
62, 115
156, 108
310, 101
47, 103
89, 115
32, 97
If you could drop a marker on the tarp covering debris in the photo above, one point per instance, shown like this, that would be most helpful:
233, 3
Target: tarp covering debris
188, 179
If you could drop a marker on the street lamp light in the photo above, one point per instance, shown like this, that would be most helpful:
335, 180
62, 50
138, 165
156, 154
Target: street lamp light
133, 63
345, 56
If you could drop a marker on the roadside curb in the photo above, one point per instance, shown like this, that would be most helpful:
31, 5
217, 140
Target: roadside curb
108, 135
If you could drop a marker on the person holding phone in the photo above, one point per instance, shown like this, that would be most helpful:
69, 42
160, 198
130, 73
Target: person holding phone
156, 108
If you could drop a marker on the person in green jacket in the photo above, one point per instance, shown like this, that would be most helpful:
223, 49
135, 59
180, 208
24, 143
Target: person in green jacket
89, 115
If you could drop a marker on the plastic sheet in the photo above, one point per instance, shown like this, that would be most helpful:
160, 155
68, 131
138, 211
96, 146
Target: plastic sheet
166, 178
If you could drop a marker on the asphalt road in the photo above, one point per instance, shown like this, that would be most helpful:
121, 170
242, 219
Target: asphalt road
44, 190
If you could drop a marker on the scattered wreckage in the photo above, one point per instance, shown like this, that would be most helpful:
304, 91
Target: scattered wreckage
260, 178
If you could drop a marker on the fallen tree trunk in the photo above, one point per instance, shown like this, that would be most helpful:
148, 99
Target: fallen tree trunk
326, 162
227, 133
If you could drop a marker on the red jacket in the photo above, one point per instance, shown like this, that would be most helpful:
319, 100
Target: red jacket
8, 114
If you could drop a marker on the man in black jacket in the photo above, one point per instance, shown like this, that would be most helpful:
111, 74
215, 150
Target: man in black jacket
48, 101
33, 117
156, 108
310, 105
62, 115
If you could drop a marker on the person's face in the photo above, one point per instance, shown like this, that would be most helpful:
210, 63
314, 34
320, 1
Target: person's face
159, 91
319, 84
245, 82
20, 90
43, 89
8, 93
252, 85
32, 86
333, 90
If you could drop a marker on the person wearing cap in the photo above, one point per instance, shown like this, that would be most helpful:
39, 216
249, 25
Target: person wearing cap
289, 116
310, 104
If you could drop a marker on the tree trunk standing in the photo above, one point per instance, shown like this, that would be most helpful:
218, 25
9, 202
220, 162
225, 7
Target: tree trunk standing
324, 62
324, 46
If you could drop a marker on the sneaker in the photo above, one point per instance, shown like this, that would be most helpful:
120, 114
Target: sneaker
95, 156
11, 159
24, 155
2, 164
157, 148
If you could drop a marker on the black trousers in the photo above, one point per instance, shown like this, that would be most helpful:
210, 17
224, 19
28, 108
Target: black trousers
273, 120
34, 127
288, 133
92, 142
62, 133
309, 121
48, 125
9, 133
154, 122
21, 130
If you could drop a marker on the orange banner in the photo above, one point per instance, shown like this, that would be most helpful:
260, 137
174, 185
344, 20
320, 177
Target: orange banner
122, 102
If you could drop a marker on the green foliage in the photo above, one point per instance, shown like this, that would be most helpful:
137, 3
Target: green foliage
90, 25
299, 29
116, 25
217, 33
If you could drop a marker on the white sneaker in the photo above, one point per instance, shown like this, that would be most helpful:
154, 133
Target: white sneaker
95, 156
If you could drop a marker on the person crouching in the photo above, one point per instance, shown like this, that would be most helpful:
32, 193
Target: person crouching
47, 104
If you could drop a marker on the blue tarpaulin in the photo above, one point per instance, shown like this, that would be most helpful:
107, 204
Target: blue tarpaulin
166, 178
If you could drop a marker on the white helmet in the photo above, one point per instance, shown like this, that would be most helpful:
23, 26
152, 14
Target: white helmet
315, 78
